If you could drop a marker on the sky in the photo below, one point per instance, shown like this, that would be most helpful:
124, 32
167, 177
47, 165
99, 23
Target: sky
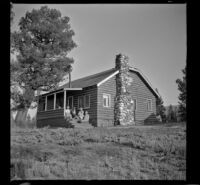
153, 36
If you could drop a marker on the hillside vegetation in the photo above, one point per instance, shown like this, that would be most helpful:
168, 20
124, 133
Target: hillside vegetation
140, 152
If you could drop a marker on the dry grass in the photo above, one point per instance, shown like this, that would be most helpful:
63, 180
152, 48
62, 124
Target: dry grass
141, 152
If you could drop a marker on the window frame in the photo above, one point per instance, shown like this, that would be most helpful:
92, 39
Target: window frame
109, 100
79, 101
84, 101
149, 109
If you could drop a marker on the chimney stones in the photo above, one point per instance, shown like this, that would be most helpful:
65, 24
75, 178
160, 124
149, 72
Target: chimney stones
124, 104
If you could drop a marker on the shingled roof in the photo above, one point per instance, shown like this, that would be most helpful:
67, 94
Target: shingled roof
99, 78
89, 80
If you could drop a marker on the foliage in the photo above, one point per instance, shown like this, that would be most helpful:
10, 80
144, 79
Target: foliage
171, 115
12, 14
157, 152
43, 42
182, 95
160, 109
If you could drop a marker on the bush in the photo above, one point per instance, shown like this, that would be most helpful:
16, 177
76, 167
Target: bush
24, 123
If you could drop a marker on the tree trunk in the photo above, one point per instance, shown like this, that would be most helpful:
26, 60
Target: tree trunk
20, 118
12, 121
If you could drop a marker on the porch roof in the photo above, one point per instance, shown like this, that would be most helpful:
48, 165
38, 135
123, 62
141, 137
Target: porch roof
60, 90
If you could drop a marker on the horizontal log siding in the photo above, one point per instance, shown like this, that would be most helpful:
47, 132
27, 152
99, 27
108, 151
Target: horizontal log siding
92, 91
52, 118
106, 114
53, 122
141, 92
50, 114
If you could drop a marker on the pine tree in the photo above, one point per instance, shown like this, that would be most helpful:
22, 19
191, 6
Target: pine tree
170, 114
160, 109
43, 42
182, 95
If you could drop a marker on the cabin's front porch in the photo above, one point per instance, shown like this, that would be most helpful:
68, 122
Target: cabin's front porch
51, 108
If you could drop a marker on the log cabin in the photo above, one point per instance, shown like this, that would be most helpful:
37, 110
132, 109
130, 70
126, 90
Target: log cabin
117, 96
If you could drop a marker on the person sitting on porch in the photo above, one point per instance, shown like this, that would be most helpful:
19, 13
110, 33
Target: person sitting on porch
58, 106
73, 112
85, 119
81, 114
68, 115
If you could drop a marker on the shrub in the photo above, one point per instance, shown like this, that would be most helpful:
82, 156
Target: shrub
19, 168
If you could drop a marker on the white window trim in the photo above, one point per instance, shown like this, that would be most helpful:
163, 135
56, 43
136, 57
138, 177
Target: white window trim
109, 99
72, 100
150, 105
85, 101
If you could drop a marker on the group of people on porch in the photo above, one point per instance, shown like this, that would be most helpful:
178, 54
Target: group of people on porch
70, 114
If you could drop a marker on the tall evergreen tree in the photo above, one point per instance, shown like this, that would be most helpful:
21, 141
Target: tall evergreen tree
182, 96
160, 109
170, 114
43, 42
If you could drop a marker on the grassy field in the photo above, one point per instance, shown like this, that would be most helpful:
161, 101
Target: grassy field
140, 152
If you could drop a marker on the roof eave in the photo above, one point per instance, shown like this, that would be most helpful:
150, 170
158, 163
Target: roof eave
60, 90
106, 79
146, 79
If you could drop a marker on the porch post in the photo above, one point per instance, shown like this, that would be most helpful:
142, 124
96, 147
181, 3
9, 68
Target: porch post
45, 103
64, 101
54, 104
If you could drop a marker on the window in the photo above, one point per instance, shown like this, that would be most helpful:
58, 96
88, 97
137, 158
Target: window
106, 100
149, 105
84, 101
87, 101
50, 102
59, 100
80, 101
70, 102
42, 104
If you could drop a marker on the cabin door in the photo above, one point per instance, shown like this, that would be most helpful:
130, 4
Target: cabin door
134, 109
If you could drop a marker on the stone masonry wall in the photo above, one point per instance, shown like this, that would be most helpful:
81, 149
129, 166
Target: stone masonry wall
124, 104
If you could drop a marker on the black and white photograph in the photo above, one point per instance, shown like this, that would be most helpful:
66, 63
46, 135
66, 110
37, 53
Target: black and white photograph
98, 91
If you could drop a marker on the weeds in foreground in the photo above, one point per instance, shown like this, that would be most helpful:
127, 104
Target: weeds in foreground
135, 153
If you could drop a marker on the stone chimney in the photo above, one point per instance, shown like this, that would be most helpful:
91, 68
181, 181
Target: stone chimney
123, 108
